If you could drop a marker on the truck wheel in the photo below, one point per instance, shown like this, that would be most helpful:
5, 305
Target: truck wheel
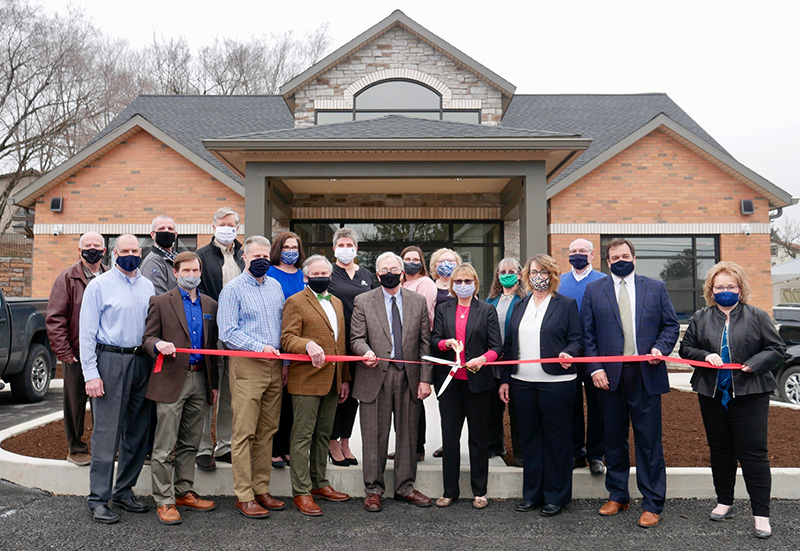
790, 385
32, 383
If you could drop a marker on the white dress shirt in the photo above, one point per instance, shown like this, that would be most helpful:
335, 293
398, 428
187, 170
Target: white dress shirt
631, 286
530, 329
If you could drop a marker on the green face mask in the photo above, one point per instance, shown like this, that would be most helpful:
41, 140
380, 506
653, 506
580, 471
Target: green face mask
508, 280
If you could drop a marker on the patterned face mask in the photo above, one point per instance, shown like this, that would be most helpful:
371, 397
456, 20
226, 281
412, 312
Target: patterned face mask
540, 283
445, 269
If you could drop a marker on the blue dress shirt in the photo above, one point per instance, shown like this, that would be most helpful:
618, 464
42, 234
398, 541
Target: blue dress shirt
387, 301
194, 319
249, 314
113, 312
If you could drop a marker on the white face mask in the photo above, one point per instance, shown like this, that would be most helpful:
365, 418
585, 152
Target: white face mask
225, 235
345, 255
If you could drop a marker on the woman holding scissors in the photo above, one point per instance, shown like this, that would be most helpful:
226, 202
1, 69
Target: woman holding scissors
465, 331
545, 324
735, 403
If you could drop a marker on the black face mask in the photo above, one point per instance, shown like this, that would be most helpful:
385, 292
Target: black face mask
390, 280
621, 268
319, 284
412, 268
259, 267
92, 256
579, 261
165, 239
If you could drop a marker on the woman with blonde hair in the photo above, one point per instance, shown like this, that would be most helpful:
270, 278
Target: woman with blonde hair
545, 324
465, 330
734, 404
443, 262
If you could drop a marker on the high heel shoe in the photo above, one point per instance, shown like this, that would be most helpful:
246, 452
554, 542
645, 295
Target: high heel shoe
342, 463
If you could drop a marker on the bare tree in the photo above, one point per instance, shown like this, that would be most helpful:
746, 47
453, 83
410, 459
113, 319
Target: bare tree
785, 235
169, 61
43, 89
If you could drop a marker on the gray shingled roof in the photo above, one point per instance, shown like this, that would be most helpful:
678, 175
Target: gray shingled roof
397, 127
606, 119
191, 119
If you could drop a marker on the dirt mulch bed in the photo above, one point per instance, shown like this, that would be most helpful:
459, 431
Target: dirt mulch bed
684, 435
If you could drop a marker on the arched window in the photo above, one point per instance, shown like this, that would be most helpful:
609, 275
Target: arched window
397, 97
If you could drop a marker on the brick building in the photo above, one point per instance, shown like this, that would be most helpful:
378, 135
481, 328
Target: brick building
410, 141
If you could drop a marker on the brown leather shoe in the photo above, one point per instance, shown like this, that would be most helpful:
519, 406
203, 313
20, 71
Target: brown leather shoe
251, 509
81, 459
648, 519
415, 498
194, 501
613, 507
372, 503
330, 494
269, 502
168, 514
306, 505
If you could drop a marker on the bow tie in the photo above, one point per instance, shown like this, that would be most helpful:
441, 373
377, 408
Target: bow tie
323, 297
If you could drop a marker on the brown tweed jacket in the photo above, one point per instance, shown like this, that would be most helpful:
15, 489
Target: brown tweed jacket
166, 320
304, 320
369, 330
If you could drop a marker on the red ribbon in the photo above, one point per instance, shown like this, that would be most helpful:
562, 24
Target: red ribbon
305, 358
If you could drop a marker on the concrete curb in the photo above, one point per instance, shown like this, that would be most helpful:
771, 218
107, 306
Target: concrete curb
60, 477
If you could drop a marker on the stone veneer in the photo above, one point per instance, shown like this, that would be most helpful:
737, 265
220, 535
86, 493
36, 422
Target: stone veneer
398, 53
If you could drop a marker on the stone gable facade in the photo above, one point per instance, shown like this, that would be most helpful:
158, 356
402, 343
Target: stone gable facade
398, 54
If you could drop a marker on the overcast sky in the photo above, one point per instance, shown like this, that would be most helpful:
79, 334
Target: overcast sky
732, 66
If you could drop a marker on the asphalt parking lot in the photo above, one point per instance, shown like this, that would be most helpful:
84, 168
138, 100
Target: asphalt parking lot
35, 520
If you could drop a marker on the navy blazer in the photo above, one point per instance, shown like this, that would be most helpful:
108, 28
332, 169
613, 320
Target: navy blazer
561, 332
656, 327
482, 335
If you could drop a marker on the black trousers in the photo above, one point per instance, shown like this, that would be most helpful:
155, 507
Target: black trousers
74, 407
281, 440
739, 433
456, 404
345, 413
587, 437
544, 411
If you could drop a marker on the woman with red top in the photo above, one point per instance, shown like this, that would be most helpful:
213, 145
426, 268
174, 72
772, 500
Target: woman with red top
469, 328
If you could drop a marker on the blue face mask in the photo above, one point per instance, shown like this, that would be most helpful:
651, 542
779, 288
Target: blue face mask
259, 267
445, 269
129, 263
622, 268
290, 257
579, 261
726, 298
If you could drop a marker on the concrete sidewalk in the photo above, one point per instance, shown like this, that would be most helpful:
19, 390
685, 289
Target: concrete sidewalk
504, 482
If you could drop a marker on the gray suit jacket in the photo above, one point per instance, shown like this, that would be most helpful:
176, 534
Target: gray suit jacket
369, 330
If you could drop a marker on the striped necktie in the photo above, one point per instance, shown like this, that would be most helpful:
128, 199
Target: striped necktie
624, 301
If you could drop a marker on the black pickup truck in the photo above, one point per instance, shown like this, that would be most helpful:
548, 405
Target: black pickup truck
26, 360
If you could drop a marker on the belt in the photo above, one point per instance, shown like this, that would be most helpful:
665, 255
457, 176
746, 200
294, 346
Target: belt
191, 368
136, 350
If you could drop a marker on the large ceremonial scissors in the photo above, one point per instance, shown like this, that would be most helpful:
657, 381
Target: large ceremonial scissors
454, 366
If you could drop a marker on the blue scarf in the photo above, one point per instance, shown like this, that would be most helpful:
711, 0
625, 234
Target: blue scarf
724, 377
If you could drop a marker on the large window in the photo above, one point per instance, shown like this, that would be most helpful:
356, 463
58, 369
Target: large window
481, 243
680, 261
398, 97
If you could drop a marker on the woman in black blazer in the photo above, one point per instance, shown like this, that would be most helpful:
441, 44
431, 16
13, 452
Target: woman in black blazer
466, 328
543, 325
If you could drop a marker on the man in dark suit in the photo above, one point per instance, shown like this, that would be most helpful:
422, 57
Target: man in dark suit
628, 315
390, 322
183, 389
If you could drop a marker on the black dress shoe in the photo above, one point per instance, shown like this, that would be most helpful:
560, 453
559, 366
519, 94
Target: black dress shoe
104, 514
596, 466
279, 464
130, 504
226, 458
517, 462
550, 510
343, 463
437, 453
352, 460
205, 463
578, 462
525, 506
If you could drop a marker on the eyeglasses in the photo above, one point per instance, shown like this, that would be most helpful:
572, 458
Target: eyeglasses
579, 251
729, 288
504, 272
441, 260
540, 272
285, 248
384, 271
463, 281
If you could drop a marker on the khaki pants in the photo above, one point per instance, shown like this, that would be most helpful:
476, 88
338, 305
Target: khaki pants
311, 432
179, 426
256, 402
